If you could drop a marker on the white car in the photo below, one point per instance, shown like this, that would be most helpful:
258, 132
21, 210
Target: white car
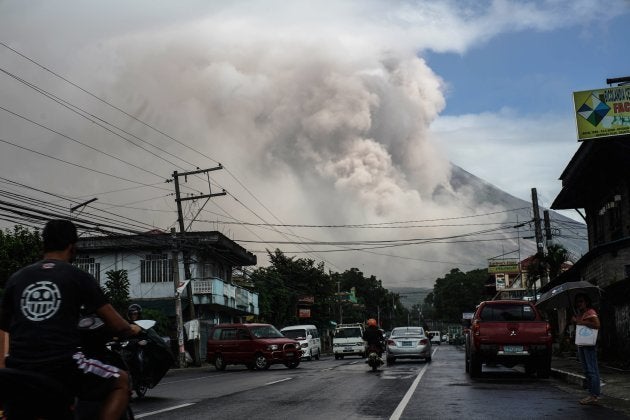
436, 337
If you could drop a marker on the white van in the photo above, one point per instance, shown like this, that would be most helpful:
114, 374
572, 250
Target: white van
309, 339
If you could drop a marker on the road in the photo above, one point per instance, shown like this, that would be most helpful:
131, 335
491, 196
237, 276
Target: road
346, 389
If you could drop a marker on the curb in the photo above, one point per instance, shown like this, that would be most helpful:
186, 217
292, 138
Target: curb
569, 377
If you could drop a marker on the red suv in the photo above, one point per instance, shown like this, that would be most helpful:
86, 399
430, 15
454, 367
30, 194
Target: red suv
257, 346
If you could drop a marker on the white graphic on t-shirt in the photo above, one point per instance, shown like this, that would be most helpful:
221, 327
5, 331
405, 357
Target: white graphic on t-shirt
40, 301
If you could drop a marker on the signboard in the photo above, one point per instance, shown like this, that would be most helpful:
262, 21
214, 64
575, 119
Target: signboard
304, 313
502, 266
467, 315
499, 281
602, 112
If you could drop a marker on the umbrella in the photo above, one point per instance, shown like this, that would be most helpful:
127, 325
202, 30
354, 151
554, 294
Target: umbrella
563, 296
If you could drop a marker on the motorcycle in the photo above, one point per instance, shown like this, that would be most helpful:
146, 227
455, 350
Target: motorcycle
32, 395
374, 359
147, 357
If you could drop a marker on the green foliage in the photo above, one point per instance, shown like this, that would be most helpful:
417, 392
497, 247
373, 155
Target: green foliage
456, 293
162, 323
117, 289
18, 248
556, 256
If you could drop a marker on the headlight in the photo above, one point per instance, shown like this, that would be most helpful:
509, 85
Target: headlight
359, 344
305, 345
272, 347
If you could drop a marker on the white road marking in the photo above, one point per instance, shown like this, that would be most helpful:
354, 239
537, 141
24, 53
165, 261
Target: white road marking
188, 380
276, 382
151, 413
403, 403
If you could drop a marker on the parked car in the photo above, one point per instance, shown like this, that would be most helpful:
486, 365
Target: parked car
408, 343
257, 346
309, 339
509, 332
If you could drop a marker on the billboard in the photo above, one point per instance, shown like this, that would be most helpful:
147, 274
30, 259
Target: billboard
602, 112
502, 266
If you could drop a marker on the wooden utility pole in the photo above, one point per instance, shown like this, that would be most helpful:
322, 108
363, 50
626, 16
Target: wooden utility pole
180, 219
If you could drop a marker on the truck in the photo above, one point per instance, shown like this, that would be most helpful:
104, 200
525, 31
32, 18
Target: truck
348, 341
508, 332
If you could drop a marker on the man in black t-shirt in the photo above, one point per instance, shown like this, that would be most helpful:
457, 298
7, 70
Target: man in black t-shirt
40, 311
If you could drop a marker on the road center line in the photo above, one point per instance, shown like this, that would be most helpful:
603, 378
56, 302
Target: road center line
276, 382
403, 403
151, 413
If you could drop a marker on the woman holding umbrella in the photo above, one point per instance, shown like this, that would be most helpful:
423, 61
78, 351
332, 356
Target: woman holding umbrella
587, 316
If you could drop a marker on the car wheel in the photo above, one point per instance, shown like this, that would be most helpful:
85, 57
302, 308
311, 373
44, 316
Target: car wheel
292, 365
219, 363
141, 390
391, 360
428, 359
475, 365
337, 357
543, 369
317, 355
250, 366
261, 362
310, 355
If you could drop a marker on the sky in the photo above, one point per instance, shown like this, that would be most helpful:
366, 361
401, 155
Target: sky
336, 122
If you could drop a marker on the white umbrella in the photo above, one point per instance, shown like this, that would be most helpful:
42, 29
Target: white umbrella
563, 296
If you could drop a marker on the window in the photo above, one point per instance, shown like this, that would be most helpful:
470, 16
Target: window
88, 265
508, 312
229, 334
156, 268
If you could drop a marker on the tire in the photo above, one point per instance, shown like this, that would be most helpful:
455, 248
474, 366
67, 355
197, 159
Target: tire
475, 366
543, 369
250, 366
428, 359
337, 357
391, 360
310, 355
530, 368
317, 355
141, 390
292, 365
261, 362
219, 363
467, 361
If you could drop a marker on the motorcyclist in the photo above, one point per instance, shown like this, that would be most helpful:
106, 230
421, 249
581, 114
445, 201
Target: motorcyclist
40, 310
374, 336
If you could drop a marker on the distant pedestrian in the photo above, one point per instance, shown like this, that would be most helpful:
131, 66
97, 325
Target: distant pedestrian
587, 316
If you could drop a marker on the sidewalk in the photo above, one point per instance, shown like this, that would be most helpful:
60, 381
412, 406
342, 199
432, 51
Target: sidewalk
616, 382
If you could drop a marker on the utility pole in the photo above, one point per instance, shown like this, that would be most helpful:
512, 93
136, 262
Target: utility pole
178, 307
539, 240
548, 235
182, 231
339, 298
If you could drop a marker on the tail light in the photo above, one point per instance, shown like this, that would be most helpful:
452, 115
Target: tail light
476, 327
424, 341
391, 343
549, 332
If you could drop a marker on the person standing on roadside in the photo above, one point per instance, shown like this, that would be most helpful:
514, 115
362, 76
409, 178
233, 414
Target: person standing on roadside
587, 316
40, 310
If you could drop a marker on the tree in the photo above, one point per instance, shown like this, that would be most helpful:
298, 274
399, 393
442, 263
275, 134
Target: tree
18, 248
117, 289
556, 256
456, 293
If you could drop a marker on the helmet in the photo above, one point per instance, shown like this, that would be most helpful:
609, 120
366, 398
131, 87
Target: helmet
371, 322
134, 308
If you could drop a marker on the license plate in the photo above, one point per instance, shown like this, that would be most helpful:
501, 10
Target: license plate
513, 349
406, 343
289, 353
347, 349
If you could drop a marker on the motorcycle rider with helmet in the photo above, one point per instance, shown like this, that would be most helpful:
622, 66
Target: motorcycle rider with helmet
134, 312
374, 337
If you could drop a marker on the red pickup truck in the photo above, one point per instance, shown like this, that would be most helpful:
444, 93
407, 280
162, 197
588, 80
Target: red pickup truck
509, 332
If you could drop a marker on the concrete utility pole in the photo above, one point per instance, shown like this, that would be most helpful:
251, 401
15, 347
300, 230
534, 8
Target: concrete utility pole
178, 309
537, 228
548, 235
182, 231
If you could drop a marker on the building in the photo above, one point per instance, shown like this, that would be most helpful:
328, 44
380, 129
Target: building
597, 180
148, 261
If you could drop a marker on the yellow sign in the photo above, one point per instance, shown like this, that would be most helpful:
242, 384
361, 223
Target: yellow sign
603, 112
503, 266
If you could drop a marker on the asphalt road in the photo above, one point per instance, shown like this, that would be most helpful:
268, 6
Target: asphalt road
347, 389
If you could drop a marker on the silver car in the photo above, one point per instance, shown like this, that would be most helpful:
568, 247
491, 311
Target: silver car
408, 343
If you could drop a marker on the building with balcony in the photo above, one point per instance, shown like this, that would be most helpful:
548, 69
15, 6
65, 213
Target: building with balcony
152, 270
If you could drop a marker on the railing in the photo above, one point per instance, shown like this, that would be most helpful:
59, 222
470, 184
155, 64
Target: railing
202, 287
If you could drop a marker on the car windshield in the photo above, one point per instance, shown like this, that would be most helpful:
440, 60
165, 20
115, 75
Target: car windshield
348, 332
295, 334
265, 331
407, 332
508, 312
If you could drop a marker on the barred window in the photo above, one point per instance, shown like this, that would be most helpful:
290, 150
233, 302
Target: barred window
88, 265
156, 268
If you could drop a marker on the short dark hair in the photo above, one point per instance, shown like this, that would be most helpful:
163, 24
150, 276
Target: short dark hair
586, 298
58, 234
